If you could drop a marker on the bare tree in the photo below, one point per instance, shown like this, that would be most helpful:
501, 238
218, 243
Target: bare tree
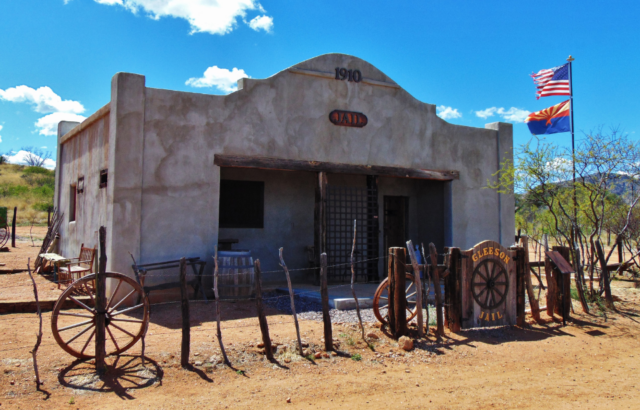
35, 157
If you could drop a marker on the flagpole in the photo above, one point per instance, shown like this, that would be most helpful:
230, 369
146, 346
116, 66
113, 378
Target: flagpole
573, 146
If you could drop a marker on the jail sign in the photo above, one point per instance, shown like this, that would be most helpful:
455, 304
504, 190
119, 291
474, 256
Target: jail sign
488, 286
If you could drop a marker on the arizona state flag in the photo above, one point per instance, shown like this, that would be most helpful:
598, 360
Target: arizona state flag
550, 120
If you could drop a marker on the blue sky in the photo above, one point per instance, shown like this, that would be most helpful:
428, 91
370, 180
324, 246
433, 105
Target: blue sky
57, 57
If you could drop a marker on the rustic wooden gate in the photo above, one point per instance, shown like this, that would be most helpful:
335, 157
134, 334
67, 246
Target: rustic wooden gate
488, 287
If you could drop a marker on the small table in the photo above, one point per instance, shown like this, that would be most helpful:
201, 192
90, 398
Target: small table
56, 260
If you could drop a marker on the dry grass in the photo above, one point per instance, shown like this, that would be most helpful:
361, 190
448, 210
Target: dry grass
12, 175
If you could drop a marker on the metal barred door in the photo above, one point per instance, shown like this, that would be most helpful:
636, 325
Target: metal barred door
344, 204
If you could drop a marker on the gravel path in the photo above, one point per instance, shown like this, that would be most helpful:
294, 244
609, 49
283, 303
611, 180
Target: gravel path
312, 310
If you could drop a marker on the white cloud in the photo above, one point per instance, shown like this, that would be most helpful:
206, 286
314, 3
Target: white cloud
221, 78
20, 159
45, 101
204, 16
447, 113
48, 125
513, 114
489, 112
1, 135
262, 23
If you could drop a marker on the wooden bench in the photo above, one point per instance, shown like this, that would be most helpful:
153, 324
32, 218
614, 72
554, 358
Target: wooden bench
141, 270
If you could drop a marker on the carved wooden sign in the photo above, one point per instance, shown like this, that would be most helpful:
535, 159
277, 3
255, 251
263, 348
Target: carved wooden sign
488, 286
348, 118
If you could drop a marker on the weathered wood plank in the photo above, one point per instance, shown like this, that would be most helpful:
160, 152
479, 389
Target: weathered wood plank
262, 318
240, 161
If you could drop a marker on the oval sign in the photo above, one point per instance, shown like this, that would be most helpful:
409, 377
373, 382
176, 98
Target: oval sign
348, 118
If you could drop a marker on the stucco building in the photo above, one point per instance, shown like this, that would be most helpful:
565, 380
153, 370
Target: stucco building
287, 161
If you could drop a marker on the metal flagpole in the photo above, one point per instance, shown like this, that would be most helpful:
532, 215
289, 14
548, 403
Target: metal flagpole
573, 145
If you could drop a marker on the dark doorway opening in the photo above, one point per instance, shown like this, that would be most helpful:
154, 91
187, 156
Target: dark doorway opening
396, 221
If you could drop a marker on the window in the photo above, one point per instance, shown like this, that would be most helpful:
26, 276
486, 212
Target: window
241, 204
73, 195
80, 186
103, 178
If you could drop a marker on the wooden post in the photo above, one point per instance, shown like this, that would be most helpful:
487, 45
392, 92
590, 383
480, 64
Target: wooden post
391, 290
101, 302
324, 292
521, 272
293, 304
418, 282
604, 275
48, 216
620, 249
13, 227
353, 278
533, 301
552, 288
34, 352
399, 293
320, 220
264, 326
436, 287
579, 279
563, 285
186, 324
453, 289
215, 293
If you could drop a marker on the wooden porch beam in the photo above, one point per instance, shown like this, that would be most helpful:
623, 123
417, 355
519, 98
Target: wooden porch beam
240, 161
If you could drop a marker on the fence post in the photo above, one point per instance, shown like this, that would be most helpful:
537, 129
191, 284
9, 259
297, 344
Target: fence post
293, 305
533, 302
453, 300
552, 285
417, 281
520, 274
564, 285
324, 291
264, 325
436, 288
399, 293
186, 325
215, 293
13, 227
101, 301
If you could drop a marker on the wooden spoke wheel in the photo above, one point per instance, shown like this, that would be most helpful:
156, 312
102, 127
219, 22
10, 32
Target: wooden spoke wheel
75, 329
489, 284
5, 233
381, 300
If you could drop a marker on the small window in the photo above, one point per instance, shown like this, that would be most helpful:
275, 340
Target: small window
80, 187
73, 194
103, 178
241, 204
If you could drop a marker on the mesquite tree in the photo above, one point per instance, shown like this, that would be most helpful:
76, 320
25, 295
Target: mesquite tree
603, 199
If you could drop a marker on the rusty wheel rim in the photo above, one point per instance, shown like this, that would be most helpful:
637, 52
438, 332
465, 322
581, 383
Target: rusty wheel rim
381, 300
74, 330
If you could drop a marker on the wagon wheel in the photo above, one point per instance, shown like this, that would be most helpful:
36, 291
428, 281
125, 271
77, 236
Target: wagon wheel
381, 300
489, 284
4, 234
122, 332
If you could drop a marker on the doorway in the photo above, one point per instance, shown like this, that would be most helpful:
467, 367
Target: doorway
396, 221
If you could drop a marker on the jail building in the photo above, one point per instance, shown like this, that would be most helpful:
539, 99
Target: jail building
288, 161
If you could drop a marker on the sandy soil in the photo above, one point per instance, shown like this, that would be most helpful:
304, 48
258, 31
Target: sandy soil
17, 286
594, 362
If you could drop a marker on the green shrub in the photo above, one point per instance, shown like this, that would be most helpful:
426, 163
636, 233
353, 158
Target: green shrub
37, 170
357, 357
43, 206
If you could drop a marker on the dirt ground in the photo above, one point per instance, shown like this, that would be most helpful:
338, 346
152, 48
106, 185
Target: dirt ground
593, 362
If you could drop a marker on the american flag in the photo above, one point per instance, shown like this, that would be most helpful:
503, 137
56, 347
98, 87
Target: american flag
552, 81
